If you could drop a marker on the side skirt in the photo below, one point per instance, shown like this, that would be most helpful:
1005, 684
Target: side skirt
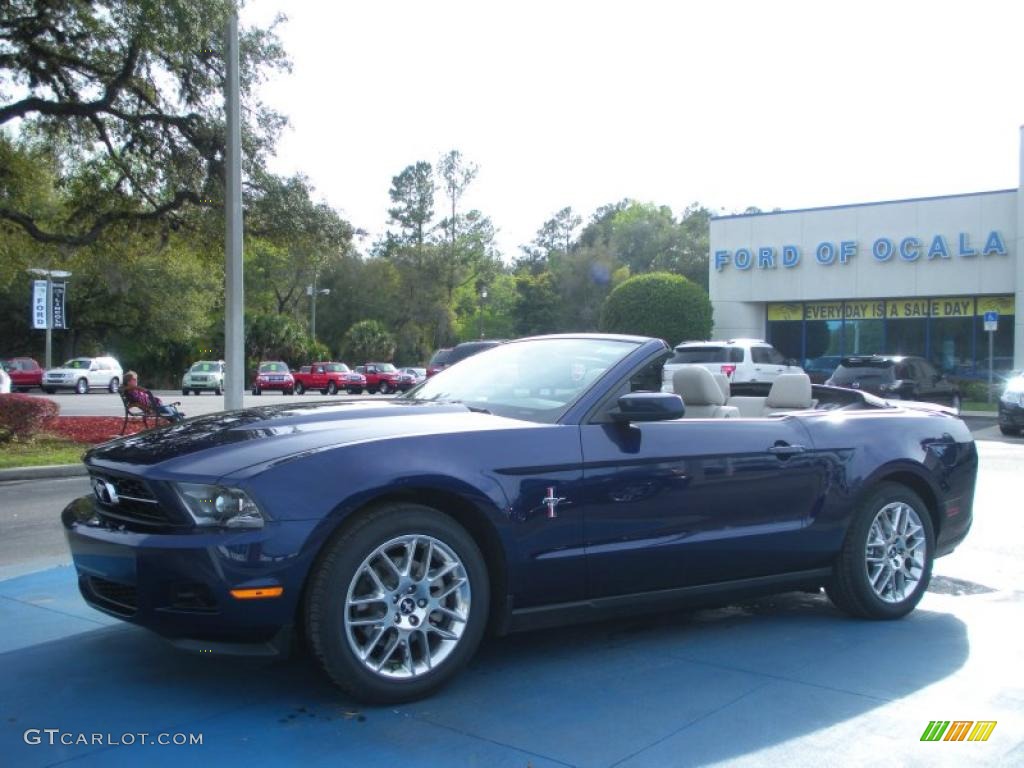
525, 619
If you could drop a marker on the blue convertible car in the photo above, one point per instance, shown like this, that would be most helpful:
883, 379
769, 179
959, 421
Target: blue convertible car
544, 481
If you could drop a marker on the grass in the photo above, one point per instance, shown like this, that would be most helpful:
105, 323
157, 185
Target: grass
40, 452
978, 405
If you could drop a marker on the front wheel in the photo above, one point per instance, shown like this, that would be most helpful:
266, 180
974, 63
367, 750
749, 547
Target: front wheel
257, 391
397, 603
113, 386
384, 388
300, 388
186, 392
1009, 431
49, 390
332, 388
217, 391
82, 387
885, 564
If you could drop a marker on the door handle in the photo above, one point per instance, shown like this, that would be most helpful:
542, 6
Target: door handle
783, 450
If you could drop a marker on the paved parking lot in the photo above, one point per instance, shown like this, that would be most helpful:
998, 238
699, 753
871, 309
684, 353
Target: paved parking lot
786, 680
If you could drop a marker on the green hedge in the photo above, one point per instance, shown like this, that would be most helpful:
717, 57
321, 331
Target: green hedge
661, 305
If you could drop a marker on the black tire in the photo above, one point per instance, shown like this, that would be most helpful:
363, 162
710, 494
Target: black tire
217, 391
850, 589
333, 572
1009, 431
332, 388
287, 392
257, 391
371, 390
197, 392
114, 385
49, 390
300, 388
186, 392
384, 388
81, 387
355, 391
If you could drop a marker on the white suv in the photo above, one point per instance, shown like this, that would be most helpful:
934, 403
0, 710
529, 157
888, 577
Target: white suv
739, 359
84, 373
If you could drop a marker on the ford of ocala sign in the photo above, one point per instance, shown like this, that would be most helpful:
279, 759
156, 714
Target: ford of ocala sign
883, 249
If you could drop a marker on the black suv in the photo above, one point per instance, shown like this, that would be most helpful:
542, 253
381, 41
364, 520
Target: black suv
896, 377
446, 358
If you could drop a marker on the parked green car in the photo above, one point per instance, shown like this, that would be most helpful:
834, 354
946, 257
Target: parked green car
204, 376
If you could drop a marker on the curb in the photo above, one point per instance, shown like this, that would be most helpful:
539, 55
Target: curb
44, 472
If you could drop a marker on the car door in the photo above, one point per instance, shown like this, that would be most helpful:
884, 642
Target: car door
768, 363
695, 501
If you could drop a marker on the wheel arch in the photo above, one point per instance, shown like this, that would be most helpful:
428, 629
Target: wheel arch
454, 505
914, 478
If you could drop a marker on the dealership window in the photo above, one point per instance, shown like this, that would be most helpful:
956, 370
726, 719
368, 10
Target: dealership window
906, 336
952, 344
787, 337
863, 337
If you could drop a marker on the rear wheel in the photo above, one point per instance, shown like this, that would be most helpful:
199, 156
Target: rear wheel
885, 564
332, 388
81, 387
397, 603
113, 386
1008, 431
186, 392
300, 388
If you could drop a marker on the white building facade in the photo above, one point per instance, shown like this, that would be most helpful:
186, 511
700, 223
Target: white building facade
900, 277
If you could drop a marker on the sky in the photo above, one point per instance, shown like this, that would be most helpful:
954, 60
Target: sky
730, 104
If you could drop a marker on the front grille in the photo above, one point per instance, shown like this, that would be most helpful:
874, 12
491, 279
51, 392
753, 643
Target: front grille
136, 502
115, 597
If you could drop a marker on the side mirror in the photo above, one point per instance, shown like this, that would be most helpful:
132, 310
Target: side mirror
649, 406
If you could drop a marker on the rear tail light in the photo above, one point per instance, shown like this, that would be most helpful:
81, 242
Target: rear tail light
729, 370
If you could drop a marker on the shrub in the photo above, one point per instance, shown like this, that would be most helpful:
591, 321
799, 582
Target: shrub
658, 304
368, 341
22, 416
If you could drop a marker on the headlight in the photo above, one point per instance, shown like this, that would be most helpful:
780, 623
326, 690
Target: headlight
216, 505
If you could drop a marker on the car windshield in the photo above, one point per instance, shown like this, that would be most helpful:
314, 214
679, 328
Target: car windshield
206, 368
707, 354
273, 368
79, 363
336, 368
385, 367
869, 371
534, 380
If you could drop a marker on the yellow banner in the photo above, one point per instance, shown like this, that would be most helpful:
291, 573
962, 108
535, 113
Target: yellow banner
1001, 304
877, 309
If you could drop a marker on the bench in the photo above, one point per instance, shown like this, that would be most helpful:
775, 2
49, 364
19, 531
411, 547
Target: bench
134, 411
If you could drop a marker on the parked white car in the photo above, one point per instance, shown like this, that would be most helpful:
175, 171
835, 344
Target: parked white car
84, 373
739, 359
203, 376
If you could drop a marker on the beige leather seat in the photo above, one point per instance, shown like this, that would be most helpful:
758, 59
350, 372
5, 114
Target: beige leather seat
723, 384
789, 392
701, 394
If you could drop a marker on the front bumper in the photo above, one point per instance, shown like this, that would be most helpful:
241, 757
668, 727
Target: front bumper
1011, 415
212, 384
178, 583
275, 386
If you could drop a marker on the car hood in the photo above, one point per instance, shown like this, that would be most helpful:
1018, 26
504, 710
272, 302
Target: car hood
78, 371
222, 443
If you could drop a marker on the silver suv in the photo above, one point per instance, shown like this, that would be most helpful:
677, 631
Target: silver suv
204, 376
739, 359
84, 373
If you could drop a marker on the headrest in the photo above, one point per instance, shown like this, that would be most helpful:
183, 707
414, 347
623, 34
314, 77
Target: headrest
790, 390
723, 384
697, 386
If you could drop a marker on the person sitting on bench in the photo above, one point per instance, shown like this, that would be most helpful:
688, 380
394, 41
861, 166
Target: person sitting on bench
146, 400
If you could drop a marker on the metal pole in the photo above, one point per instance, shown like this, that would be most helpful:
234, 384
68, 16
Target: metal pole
49, 320
234, 300
991, 336
312, 319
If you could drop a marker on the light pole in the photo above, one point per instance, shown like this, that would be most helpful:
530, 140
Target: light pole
483, 298
49, 274
311, 290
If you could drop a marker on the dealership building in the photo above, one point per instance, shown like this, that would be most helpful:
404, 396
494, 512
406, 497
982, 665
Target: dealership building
914, 277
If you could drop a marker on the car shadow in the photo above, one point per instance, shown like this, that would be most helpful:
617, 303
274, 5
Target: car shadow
682, 688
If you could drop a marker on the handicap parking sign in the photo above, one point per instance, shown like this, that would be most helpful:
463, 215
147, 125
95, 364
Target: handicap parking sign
991, 321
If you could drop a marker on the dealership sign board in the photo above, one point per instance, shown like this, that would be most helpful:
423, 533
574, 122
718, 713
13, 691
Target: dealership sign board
39, 304
882, 249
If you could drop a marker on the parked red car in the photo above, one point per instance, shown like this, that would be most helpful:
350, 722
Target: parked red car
385, 378
329, 378
25, 373
273, 375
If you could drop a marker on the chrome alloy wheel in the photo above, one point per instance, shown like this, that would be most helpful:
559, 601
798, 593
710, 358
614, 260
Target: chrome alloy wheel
407, 607
896, 551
